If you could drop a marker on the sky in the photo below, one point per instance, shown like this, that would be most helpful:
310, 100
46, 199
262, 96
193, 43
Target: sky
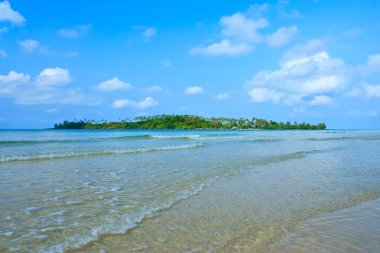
306, 61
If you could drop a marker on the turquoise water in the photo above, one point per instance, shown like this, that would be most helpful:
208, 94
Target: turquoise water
178, 190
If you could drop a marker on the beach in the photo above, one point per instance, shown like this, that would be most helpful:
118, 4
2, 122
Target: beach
189, 191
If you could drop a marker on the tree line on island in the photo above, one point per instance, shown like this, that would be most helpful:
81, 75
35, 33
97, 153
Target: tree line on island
187, 122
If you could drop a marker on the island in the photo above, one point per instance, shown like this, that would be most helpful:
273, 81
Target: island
188, 122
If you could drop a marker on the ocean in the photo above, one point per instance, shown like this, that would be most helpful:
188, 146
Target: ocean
189, 191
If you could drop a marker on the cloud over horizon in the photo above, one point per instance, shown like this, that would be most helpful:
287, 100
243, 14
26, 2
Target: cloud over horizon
241, 34
142, 104
114, 84
298, 79
51, 86
192, 90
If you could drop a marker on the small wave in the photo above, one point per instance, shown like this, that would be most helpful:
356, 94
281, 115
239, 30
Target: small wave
31, 142
291, 156
238, 138
190, 136
345, 138
129, 221
143, 136
52, 156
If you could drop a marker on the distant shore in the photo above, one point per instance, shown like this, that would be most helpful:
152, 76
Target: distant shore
189, 122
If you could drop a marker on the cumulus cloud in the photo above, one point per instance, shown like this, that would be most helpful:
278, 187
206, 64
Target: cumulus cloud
12, 81
10, 15
143, 104
194, 90
282, 36
32, 46
49, 87
372, 66
299, 77
241, 33
53, 77
114, 84
321, 100
29, 45
74, 32
366, 91
242, 28
303, 50
260, 95
225, 47
222, 96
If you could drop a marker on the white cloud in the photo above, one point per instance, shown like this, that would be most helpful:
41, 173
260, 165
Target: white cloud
12, 81
365, 90
75, 32
222, 96
310, 48
53, 77
321, 100
55, 95
372, 90
166, 63
225, 47
241, 33
282, 36
114, 84
8, 14
372, 66
315, 75
29, 45
3, 54
143, 104
47, 89
260, 95
194, 90
322, 84
242, 28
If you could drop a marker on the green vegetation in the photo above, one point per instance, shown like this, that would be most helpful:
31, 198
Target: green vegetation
186, 122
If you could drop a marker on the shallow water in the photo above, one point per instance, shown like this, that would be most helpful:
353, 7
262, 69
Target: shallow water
177, 191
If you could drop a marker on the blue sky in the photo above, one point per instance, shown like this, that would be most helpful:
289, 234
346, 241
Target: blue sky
312, 61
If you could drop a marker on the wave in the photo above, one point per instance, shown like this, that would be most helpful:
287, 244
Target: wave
26, 142
95, 153
129, 220
133, 220
141, 136
189, 136
291, 156
345, 138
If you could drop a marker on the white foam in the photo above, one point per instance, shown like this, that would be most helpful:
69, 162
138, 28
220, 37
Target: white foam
190, 136
52, 156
